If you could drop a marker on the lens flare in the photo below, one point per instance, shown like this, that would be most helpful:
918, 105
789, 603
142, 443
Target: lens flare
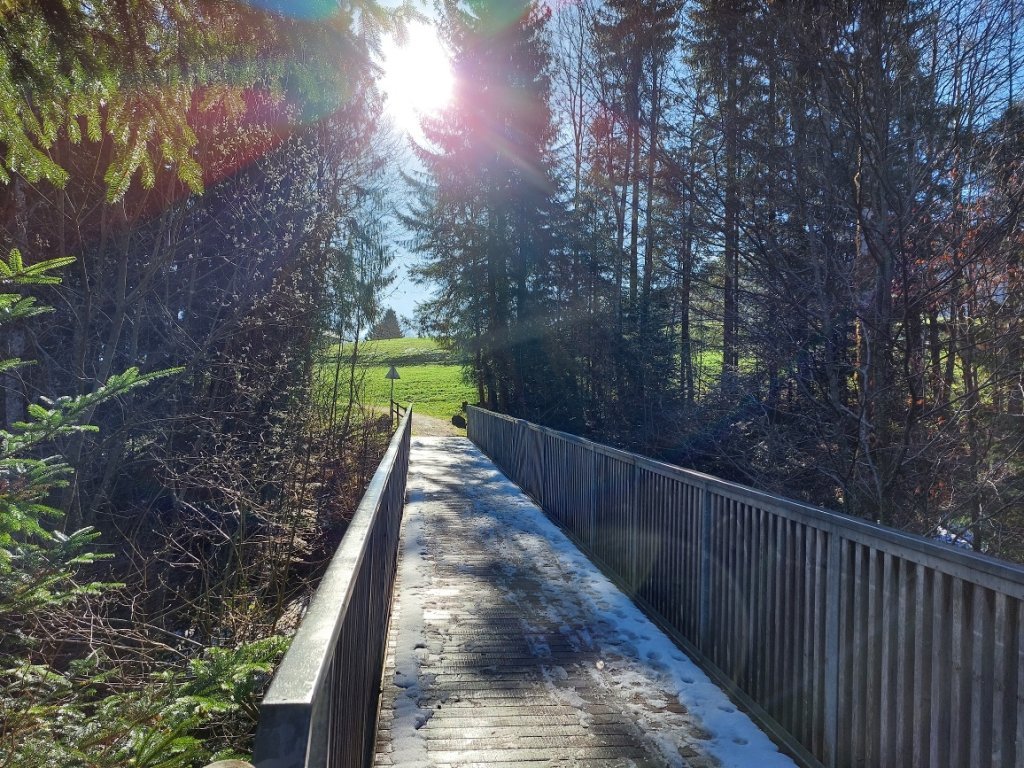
418, 78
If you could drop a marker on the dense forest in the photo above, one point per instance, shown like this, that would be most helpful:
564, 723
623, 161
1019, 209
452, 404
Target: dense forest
192, 201
777, 241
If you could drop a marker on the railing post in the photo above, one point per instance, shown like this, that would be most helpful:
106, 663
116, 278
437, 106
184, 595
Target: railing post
634, 516
833, 601
592, 522
704, 625
542, 480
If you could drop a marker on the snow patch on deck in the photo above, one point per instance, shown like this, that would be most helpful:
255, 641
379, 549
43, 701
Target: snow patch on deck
685, 716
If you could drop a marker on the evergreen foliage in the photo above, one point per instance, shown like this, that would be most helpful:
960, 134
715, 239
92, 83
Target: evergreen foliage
156, 529
52, 716
387, 327
779, 242
486, 213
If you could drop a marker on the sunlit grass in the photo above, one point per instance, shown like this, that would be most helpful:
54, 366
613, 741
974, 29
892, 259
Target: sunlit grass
430, 376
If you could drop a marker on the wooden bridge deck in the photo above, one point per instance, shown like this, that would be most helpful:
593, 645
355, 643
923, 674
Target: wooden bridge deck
508, 648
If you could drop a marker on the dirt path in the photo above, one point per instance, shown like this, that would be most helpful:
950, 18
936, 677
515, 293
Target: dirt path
430, 426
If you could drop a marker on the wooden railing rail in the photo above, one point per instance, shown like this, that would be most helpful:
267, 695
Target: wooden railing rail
852, 644
321, 708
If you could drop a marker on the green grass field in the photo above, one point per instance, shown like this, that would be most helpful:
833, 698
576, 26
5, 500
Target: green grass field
430, 377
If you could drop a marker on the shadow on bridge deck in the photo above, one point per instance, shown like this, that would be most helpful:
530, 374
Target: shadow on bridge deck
507, 647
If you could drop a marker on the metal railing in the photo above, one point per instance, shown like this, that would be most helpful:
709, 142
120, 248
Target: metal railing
852, 644
321, 708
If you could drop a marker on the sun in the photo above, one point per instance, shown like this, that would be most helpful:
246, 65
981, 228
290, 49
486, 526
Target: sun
417, 79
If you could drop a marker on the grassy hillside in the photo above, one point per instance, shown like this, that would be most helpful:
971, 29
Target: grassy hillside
430, 377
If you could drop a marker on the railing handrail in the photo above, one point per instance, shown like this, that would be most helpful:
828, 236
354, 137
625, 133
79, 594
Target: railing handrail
302, 669
954, 561
849, 642
302, 674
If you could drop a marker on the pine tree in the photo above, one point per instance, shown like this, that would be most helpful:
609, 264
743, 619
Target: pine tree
486, 206
387, 327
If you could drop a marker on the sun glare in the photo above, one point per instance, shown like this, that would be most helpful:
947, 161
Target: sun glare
418, 77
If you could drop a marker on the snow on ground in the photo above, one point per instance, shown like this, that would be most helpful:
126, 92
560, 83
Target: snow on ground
638, 666
410, 750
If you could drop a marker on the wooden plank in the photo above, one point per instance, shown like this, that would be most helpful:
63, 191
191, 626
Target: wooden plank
579, 460
678, 553
981, 688
619, 542
942, 629
748, 567
755, 598
778, 599
959, 700
763, 611
1018, 756
597, 541
693, 537
798, 565
790, 606
700, 555
640, 527
858, 651
704, 628
649, 521
688, 537
725, 639
887, 693
627, 526
721, 594
815, 627
659, 544
736, 597
1002, 642
805, 715
674, 553
836, 682
594, 485
873, 624
904, 662
646, 524
607, 511
680, 556
585, 467
688, 533
922, 682
632, 527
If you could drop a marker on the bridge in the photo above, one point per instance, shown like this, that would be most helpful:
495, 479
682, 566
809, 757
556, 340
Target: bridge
621, 611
